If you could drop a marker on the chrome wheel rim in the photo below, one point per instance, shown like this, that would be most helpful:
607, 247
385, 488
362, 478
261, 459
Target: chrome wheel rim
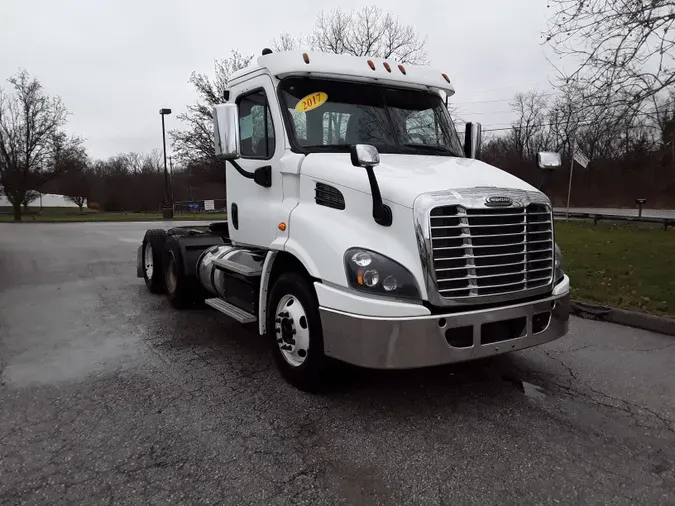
147, 261
292, 330
170, 275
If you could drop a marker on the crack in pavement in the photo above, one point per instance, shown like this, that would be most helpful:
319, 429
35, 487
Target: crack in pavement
628, 407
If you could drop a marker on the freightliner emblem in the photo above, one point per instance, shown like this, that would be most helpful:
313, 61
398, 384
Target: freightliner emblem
498, 201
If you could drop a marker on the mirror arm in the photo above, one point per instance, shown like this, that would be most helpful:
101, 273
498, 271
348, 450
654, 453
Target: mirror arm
247, 175
381, 211
262, 175
544, 180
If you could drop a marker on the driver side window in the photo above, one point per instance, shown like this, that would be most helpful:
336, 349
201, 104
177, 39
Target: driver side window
256, 130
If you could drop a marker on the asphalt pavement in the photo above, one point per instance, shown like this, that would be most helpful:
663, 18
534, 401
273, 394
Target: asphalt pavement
109, 396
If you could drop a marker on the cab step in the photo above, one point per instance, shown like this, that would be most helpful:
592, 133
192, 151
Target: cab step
231, 310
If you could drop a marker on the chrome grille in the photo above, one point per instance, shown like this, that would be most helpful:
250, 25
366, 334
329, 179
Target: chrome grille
487, 251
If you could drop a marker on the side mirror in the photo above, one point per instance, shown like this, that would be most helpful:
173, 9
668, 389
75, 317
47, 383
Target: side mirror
473, 138
548, 160
367, 156
364, 155
226, 131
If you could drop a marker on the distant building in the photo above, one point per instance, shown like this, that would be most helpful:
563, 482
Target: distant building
48, 200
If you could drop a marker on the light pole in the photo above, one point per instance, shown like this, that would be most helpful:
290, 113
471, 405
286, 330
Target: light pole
171, 180
167, 210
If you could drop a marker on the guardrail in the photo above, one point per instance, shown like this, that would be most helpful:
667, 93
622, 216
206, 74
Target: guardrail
596, 217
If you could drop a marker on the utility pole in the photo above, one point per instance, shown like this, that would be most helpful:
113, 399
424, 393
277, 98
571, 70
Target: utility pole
171, 178
167, 211
569, 187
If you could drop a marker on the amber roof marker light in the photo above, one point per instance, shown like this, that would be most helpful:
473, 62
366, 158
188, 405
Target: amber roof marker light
445, 76
402, 69
386, 66
371, 64
305, 57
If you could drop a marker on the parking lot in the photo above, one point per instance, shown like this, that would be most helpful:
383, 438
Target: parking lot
109, 396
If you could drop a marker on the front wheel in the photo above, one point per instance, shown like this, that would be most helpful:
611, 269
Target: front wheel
295, 332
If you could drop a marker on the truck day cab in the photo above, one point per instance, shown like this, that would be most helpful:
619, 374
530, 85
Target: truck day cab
360, 229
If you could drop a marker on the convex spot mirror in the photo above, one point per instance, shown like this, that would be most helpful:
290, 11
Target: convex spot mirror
364, 155
548, 160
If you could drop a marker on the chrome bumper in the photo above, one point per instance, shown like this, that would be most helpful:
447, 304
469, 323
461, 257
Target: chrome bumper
404, 343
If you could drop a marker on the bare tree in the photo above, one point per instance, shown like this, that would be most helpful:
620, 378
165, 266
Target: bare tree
29, 196
368, 31
625, 46
529, 125
195, 142
75, 166
286, 42
31, 138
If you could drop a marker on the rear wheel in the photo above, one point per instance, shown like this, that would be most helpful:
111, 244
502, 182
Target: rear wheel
181, 290
153, 244
295, 333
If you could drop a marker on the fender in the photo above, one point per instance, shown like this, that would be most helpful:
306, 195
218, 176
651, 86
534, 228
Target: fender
192, 246
271, 260
264, 289
296, 250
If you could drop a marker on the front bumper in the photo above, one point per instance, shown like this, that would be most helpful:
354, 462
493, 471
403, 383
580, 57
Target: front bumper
422, 341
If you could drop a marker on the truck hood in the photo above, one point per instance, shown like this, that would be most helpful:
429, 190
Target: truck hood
403, 177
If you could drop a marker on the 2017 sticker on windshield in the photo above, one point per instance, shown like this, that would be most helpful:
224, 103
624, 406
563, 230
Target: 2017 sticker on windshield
311, 101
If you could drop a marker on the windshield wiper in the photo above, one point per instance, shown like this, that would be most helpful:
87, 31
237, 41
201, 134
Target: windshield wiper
431, 149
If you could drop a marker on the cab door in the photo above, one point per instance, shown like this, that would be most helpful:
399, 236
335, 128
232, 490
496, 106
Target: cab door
252, 207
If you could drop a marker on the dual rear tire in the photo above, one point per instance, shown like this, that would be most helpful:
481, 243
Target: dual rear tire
153, 245
182, 290
163, 269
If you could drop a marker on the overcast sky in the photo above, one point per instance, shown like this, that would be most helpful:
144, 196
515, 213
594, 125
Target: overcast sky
116, 62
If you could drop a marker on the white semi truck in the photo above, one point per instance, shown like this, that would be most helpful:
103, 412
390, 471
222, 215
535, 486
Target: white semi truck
360, 228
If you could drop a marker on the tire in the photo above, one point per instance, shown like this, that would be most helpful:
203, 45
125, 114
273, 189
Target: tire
308, 373
182, 291
153, 245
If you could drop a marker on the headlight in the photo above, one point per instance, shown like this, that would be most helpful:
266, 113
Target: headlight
373, 273
559, 273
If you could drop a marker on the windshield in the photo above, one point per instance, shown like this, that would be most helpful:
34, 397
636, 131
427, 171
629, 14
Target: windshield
326, 116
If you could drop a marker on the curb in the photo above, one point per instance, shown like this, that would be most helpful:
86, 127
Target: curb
643, 321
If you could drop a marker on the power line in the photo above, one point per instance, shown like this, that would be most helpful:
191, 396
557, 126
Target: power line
504, 126
490, 112
495, 100
519, 86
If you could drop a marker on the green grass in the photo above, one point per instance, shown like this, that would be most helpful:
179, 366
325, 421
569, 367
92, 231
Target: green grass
624, 266
59, 215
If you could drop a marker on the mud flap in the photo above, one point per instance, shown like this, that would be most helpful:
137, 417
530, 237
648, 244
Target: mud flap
139, 262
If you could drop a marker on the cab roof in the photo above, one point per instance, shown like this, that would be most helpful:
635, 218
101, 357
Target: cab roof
362, 68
